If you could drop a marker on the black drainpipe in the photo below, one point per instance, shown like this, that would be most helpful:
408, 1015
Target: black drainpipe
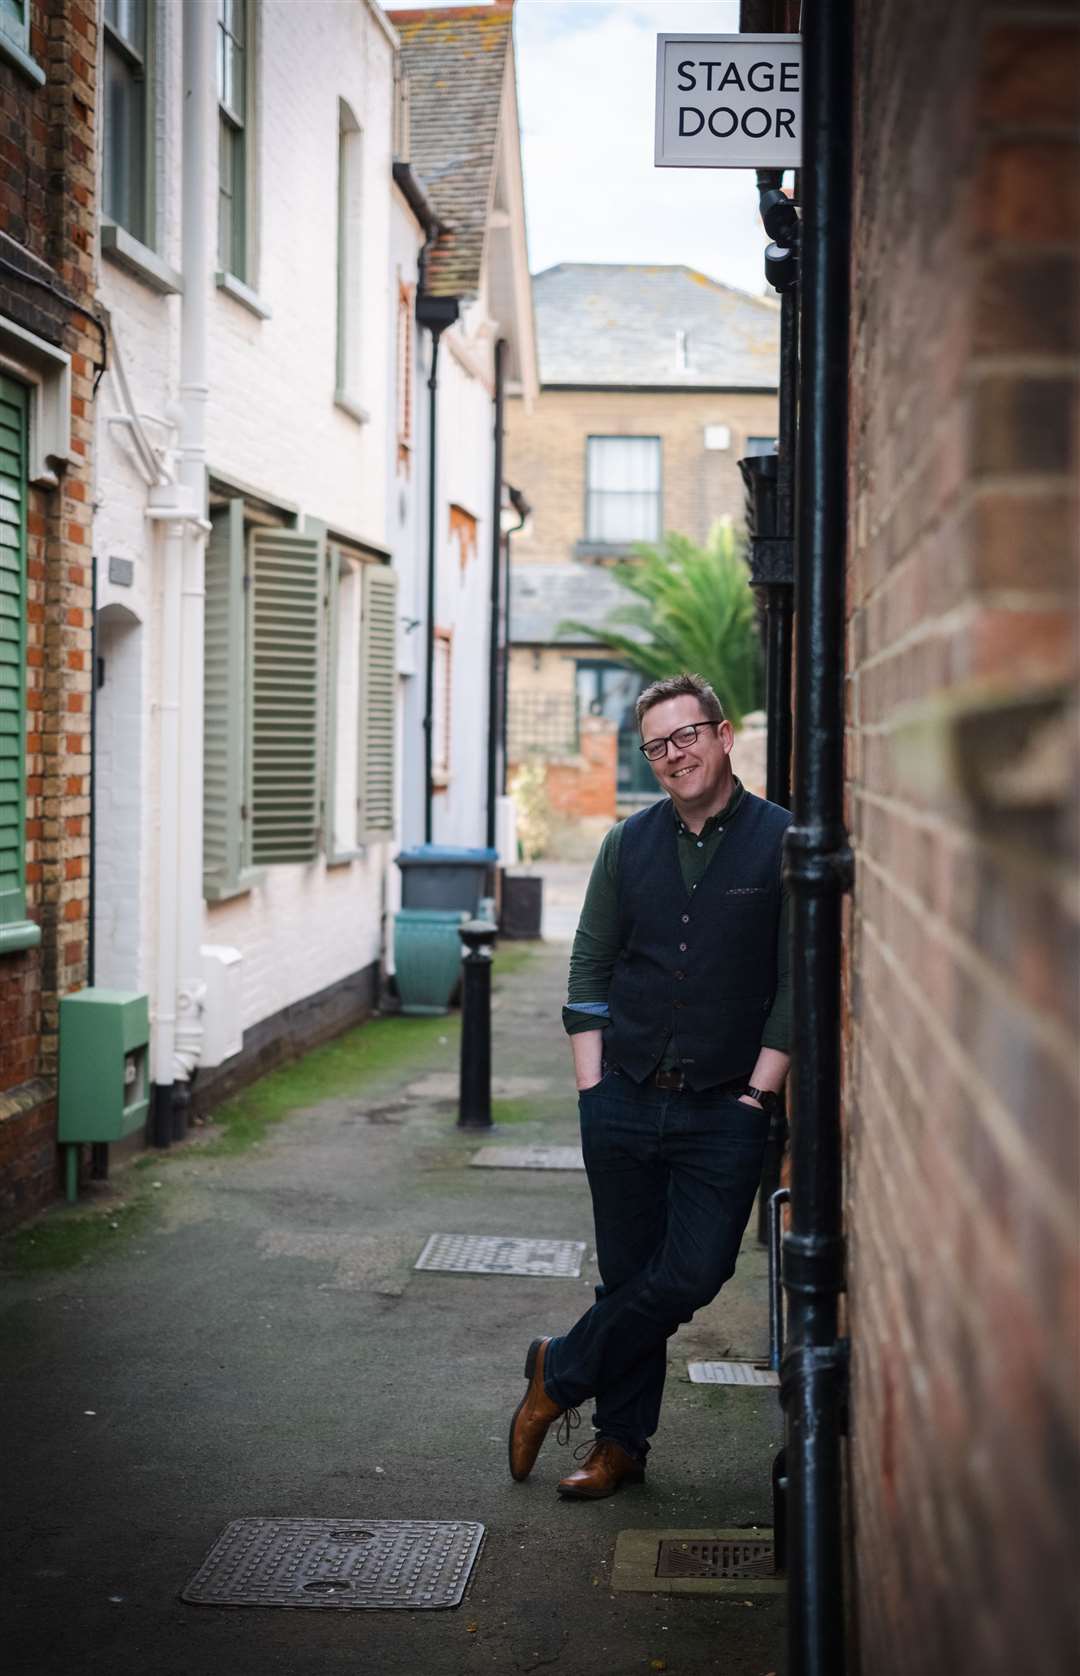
819, 863
436, 313
522, 508
770, 481
496, 580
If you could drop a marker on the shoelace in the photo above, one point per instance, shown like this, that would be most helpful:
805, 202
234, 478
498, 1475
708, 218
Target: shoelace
584, 1450
570, 1421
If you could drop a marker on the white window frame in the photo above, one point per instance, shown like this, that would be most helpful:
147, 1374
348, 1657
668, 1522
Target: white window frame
348, 345
595, 522
15, 42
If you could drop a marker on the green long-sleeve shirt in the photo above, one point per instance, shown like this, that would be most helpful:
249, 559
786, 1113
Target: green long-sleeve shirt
596, 943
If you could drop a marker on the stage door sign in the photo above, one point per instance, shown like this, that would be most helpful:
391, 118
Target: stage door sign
728, 101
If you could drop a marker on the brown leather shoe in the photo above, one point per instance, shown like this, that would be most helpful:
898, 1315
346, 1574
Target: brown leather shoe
533, 1414
605, 1467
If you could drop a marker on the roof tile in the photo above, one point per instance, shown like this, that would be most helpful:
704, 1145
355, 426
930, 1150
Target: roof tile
455, 60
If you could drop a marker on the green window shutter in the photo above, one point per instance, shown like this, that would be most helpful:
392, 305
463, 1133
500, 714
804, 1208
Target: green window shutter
285, 694
224, 839
378, 678
13, 467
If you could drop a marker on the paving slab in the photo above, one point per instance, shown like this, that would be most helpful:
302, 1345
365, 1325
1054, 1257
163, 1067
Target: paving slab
261, 1348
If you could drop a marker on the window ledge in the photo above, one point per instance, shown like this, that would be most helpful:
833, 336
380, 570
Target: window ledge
23, 934
215, 891
130, 253
604, 549
343, 857
22, 60
242, 294
349, 404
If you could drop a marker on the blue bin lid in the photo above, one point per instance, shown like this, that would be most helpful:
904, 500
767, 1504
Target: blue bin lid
445, 855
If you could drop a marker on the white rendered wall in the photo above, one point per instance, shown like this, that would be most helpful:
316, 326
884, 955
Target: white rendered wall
272, 419
272, 427
466, 446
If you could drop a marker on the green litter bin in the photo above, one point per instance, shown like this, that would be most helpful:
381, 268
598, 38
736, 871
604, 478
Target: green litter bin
427, 958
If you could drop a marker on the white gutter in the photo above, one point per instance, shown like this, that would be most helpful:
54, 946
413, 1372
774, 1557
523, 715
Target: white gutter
180, 510
163, 508
199, 125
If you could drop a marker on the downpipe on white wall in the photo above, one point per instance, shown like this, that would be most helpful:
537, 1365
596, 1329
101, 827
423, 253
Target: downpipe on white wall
178, 1022
166, 512
200, 117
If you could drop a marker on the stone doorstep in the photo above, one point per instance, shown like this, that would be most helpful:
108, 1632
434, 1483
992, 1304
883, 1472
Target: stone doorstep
637, 1554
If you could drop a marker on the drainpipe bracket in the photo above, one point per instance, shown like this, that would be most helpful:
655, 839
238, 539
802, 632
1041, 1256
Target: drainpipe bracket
813, 1264
818, 860
814, 1376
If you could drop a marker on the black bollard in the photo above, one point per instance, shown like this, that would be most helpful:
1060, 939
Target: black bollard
474, 1102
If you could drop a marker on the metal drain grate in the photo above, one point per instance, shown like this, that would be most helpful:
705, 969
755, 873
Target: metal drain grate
350, 1565
493, 1254
731, 1373
723, 1559
529, 1158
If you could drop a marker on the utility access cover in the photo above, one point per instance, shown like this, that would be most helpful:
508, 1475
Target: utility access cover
688, 1562
493, 1254
348, 1564
731, 1373
709, 1557
528, 1158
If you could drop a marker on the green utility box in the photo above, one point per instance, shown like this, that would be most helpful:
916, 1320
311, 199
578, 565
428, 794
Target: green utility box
104, 1070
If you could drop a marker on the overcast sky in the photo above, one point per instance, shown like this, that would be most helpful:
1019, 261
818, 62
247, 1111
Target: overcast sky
587, 86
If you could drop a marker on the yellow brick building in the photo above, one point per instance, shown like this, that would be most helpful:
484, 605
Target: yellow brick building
655, 382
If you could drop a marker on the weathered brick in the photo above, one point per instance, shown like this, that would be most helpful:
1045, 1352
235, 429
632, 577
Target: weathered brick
962, 944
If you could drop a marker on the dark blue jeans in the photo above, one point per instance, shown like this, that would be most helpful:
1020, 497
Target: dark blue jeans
673, 1178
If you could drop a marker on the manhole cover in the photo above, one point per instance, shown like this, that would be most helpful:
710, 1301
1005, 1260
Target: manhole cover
529, 1158
731, 1373
492, 1254
715, 1559
380, 1563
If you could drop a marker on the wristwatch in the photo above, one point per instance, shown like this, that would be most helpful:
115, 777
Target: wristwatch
768, 1100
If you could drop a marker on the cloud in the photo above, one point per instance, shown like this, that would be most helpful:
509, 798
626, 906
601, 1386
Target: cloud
587, 91
587, 82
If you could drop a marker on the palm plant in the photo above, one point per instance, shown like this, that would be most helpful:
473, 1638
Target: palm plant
696, 610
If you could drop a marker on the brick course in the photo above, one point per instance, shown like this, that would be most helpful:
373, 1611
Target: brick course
545, 452
962, 946
47, 217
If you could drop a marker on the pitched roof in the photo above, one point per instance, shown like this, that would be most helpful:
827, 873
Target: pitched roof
543, 595
617, 323
455, 59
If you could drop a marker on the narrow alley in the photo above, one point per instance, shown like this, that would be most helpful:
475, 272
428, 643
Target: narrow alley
258, 1343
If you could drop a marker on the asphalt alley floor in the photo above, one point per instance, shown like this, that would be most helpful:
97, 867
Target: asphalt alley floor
254, 1341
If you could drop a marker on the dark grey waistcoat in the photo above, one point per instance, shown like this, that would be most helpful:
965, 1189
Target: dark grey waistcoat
700, 968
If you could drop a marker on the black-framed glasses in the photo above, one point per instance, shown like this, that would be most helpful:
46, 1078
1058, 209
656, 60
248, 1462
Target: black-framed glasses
682, 739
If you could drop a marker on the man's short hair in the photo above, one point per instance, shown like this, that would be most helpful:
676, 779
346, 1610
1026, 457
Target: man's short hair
679, 686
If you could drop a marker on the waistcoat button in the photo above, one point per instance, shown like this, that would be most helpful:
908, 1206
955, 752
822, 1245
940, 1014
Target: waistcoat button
682, 948
686, 919
680, 975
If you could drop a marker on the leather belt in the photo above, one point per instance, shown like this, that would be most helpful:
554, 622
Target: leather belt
674, 1082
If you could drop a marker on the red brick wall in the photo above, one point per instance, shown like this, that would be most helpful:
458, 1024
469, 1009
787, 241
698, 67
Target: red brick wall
47, 218
583, 787
961, 954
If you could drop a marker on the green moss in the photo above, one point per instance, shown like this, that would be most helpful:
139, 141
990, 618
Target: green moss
514, 1111
362, 1057
511, 957
71, 1235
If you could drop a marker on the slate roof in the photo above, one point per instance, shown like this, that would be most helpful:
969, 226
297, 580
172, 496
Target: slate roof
615, 324
455, 59
542, 595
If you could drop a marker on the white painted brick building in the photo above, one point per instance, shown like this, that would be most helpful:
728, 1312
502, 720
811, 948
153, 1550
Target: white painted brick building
262, 475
